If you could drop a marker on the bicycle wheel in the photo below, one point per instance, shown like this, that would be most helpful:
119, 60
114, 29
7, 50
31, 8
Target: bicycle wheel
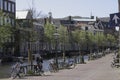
50, 68
13, 75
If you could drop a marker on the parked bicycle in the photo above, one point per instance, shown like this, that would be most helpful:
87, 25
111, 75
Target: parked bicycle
53, 66
115, 62
70, 64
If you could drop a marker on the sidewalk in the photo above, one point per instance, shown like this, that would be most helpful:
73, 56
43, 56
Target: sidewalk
94, 70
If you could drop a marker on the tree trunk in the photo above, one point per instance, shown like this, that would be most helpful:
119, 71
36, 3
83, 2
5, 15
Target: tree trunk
81, 56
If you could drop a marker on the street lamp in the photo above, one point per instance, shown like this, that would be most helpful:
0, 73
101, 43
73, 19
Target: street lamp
56, 36
117, 28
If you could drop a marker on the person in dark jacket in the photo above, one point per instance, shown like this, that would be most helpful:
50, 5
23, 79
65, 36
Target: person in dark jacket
39, 62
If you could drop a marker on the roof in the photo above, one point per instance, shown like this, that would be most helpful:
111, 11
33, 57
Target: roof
84, 19
21, 14
37, 24
105, 19
66, 18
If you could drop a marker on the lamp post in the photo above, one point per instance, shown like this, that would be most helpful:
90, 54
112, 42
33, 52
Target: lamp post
118, 29
119, 5
56, 35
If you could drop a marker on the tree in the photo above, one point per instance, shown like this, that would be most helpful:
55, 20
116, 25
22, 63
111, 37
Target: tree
49, 30
80, 39
99, 39
6, 34
111, 39
63, 37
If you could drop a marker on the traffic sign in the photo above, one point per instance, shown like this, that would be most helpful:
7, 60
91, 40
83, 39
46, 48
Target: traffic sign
114, 19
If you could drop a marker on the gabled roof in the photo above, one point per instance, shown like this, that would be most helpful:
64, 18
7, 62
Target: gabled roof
22, 14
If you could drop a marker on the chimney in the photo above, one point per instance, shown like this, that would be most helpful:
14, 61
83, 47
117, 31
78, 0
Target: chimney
45, 21
92, 17
70, 18
50, 17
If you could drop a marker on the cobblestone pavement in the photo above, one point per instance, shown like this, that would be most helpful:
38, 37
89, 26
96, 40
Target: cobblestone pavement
99, 69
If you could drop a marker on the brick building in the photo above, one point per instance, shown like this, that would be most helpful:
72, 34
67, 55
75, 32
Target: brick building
7, 17
7, 8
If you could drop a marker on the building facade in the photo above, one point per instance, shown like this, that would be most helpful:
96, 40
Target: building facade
27, 28
7, 9
7, 18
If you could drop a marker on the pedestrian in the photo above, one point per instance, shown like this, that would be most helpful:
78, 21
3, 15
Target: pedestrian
16, 70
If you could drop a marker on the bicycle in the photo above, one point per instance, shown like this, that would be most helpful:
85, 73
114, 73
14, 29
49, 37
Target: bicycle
70, 65
20, 73
38, 69
115, 63
53, 67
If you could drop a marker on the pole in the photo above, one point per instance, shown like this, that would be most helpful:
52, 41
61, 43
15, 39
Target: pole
29, 54
119, 30
119, 5
119, 45
56, 46
64, 52
56, 54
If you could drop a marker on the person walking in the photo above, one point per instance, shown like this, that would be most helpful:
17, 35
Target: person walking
16, 70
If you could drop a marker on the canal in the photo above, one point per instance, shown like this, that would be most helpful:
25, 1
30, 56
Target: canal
5, 69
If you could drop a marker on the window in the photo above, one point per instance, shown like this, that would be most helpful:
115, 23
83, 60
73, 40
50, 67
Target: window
5, 5
9, 6
9, 20
12, 0
1, 20
1, 4
13, 22
13, 7
5, 20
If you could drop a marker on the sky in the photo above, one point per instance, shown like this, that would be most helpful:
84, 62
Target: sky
63, 8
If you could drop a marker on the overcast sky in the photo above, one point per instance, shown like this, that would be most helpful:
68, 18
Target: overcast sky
62, 8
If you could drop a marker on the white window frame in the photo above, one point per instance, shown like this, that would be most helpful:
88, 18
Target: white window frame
1, 4
9, 6
13, 7
5, 5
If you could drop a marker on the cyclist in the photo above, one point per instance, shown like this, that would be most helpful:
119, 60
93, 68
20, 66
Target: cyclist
39, 62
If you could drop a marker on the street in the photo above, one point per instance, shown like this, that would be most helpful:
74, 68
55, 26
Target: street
99, 69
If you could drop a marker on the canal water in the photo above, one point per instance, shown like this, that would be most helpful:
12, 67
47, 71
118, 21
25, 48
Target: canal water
5, 69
